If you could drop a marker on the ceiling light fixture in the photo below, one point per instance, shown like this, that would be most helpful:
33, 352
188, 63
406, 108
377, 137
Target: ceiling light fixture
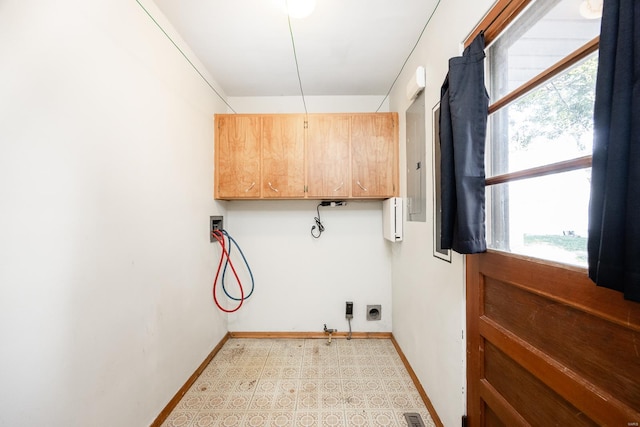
298, 8
591, 9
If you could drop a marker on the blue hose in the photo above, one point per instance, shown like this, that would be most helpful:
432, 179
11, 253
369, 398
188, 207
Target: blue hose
232, 240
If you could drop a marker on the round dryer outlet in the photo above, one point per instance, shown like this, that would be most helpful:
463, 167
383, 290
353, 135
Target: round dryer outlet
374, 312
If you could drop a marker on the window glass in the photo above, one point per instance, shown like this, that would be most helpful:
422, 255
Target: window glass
545, 33
547, 216
553, 122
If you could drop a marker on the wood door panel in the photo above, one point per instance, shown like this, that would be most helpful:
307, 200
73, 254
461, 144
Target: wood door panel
283, 156
491, 419
545, 346
602, 352
237, 157
492, 401
328, 156
594, 402
531, 398
373, 155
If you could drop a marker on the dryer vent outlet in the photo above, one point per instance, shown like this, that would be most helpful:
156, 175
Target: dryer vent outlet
374, 312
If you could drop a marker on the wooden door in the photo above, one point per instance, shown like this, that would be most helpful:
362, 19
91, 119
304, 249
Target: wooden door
328, 156
283, 156
546, 347
374, 155
237, 156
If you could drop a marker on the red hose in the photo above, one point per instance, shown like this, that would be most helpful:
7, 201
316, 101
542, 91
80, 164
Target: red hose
220, 238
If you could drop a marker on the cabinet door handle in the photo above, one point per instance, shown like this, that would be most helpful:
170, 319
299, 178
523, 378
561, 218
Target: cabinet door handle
250, 187
360, 185
271, 187
338, 187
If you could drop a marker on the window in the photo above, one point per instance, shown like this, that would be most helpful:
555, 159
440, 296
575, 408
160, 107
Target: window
541, 80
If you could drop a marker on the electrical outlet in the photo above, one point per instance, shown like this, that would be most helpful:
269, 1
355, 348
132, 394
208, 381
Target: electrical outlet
349, 310
215, 224
333, 203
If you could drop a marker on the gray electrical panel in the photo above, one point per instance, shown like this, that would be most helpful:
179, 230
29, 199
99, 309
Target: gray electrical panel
416, 165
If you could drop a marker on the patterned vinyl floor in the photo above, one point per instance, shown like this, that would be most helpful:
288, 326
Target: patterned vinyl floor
301, 382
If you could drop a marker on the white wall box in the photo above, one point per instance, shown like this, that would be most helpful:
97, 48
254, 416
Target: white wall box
392, 219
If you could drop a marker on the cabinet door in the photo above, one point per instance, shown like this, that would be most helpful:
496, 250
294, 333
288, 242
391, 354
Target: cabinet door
237, 154
374, 148
328, 156
283, 156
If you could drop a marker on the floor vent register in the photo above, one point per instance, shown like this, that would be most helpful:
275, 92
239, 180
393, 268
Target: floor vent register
414, 419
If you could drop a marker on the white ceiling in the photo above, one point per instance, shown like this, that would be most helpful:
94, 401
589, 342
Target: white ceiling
346, 47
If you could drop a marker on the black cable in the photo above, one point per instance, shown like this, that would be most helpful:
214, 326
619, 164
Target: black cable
318, 223
409, 56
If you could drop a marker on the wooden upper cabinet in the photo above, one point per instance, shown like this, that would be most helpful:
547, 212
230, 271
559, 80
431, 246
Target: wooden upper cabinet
374, 155
328, 156
337, 156
283, 156
237, 156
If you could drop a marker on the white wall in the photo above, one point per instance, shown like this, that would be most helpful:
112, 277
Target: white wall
301, 282
428, 293
315, 104
105, 193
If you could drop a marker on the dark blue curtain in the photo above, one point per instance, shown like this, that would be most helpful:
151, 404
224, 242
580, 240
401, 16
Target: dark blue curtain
464, 107
614, 210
